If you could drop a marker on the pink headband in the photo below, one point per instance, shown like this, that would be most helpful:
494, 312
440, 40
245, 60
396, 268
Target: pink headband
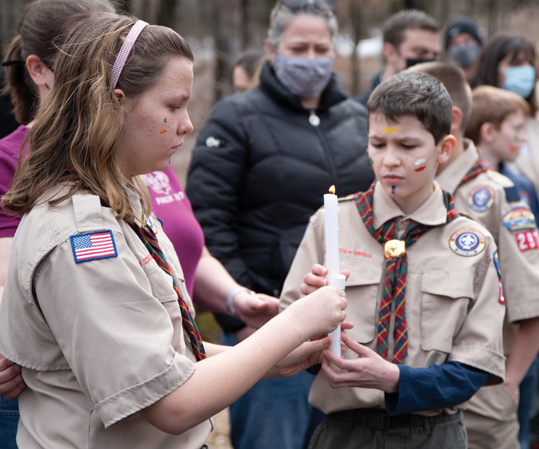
125, 50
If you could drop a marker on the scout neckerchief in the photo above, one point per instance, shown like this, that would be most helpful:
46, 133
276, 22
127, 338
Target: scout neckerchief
481, 166
396, 268
147, 236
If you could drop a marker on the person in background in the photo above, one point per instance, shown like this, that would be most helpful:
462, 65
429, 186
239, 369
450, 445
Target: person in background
508, 61
463, 44
260, 168
497, 127
8, 124
410, 37
247, 70
490, 198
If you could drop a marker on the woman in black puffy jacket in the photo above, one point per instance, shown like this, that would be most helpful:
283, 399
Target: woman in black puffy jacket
260, 168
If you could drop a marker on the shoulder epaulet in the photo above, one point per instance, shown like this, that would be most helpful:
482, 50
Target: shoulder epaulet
88, 212
511, 193
498, 178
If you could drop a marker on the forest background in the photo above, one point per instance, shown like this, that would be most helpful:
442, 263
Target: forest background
218, 30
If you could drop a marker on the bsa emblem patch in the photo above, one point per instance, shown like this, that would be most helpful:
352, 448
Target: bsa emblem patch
519, 219
467, 242
481, 198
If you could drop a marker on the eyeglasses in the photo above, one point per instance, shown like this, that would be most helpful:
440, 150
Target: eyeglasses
320, 4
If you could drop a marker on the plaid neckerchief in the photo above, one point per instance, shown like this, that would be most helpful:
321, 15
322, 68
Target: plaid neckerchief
481, 166
396, 269
147, 236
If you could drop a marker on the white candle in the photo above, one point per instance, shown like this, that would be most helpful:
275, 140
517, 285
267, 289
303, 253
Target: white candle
331, 212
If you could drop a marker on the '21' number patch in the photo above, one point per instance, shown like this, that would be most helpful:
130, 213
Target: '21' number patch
527, 240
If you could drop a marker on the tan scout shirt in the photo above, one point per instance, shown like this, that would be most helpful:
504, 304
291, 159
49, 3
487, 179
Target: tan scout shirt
98, 340
518, 255
452, 307
519, 260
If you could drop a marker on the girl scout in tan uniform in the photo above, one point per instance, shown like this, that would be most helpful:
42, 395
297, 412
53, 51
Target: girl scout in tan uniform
427, 313
95, 308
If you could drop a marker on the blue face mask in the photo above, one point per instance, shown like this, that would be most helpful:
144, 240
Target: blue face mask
520, 80
464, 55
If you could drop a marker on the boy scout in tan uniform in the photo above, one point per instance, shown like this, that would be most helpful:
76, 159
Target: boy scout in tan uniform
454, 311
492, 199
109, 384
451, 297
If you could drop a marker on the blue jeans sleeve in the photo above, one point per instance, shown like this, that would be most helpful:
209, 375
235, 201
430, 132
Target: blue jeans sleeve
435, 387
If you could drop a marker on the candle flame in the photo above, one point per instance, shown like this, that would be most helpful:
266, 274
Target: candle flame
332, 190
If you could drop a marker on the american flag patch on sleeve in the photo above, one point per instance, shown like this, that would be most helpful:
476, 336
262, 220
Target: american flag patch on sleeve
93, 246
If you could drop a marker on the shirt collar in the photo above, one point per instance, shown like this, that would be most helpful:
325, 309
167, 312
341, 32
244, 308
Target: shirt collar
431, 213
451, 177
134, 200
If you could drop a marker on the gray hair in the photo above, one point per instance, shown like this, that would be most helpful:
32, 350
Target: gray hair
282, 15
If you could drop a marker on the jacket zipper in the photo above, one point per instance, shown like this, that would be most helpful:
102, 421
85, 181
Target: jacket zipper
327, 151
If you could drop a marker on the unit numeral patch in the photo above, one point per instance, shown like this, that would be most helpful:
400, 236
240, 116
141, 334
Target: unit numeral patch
527, 240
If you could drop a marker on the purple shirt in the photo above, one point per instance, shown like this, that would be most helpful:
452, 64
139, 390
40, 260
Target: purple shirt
10, 147
171, 206
169, 203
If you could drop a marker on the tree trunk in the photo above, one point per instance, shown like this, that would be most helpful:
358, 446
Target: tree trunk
167, 13
356, 19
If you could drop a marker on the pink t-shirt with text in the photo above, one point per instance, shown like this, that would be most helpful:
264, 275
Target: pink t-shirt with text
171, 206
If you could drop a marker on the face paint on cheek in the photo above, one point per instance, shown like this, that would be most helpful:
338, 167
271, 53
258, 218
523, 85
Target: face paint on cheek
371, 161
513, 148
163, 131
165, 119
391, 130
516, 139
420, 165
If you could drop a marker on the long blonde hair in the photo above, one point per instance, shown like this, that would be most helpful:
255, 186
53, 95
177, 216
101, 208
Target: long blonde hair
78, 125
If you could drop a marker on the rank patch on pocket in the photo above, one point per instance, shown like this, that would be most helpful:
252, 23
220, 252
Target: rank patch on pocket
519, 219
467, 242
93, 246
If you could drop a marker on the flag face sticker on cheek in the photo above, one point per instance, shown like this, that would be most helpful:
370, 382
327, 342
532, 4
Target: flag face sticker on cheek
93, 246
420, 165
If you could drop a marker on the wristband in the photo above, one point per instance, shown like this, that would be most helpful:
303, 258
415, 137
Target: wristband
230, 298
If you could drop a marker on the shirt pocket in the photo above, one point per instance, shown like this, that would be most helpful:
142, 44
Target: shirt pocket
362, 289
446, 297
160, 282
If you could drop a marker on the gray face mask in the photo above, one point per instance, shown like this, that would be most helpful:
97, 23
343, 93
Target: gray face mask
304, 77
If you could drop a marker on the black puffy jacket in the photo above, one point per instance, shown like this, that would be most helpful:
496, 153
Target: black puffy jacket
260, 169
